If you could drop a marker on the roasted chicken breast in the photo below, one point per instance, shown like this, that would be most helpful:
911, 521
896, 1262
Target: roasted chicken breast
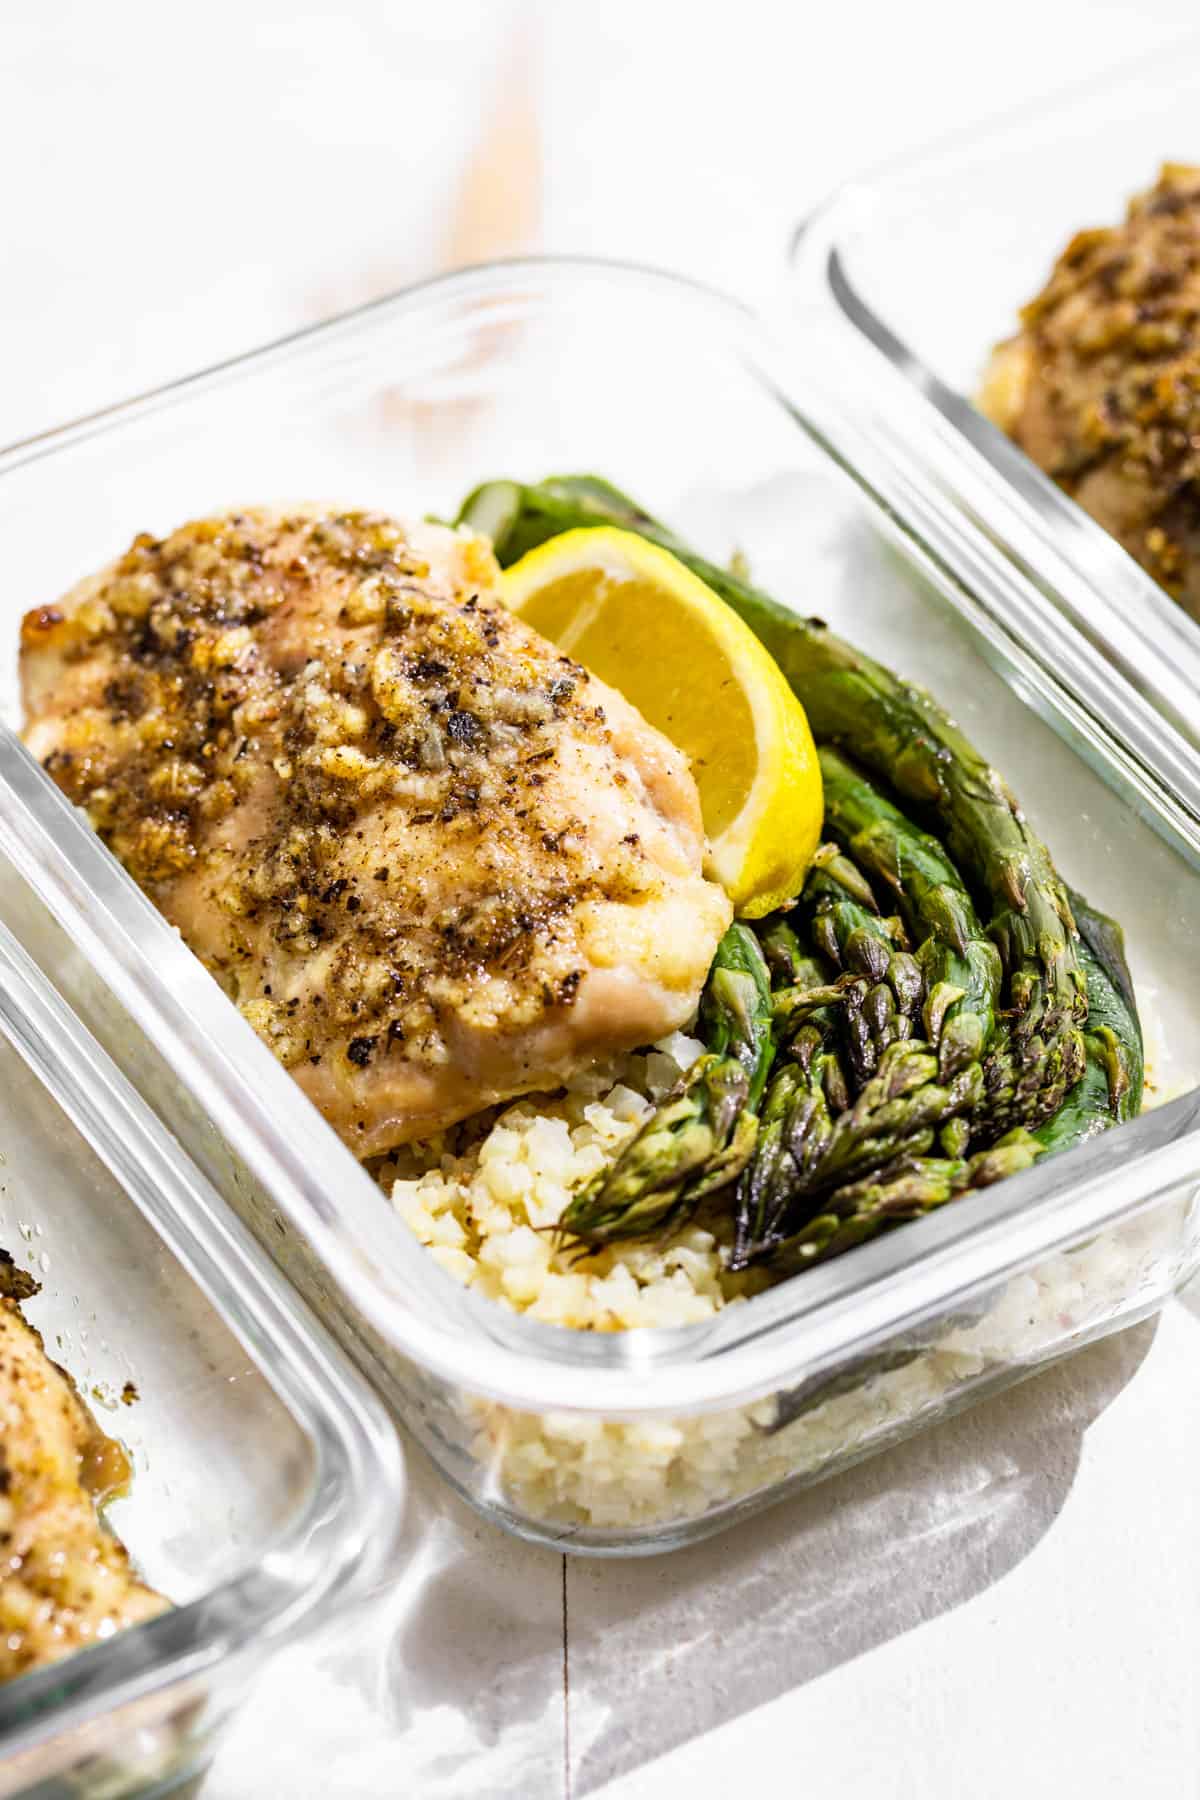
434, 861
1101, 386
65, 1581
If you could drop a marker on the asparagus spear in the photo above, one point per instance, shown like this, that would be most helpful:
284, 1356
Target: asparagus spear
811, 1047
895, 729
803, 1097
702, 1135
881, 986
1110, 1090
898, 1112
959, 965
806, 1128
793, 1006
897, 1116
849, 878
1026, 1082
908, 1189
1109, 1093
883, 1004
765, 1183
1104, 941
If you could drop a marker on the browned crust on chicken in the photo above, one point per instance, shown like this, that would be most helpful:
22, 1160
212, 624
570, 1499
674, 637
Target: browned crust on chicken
434, 861
1101, 387
65, 1581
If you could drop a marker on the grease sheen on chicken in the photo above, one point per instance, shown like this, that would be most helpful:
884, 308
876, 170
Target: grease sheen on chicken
434, 861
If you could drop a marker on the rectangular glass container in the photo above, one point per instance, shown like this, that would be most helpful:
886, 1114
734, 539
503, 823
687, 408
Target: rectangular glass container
266, 1480
910, 275
635, 1441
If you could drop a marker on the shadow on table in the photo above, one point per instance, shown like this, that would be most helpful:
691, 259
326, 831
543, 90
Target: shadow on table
664, 1649
449, 1684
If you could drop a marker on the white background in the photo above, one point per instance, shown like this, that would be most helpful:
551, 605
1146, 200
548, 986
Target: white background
1009, 1604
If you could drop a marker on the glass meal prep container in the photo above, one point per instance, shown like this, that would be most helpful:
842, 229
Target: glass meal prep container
912, 274
266, 1479
638, 1441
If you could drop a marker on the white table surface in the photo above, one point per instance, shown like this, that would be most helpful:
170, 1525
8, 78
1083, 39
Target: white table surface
1009, 1604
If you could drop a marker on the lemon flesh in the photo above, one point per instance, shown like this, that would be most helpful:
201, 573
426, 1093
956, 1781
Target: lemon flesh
636, 617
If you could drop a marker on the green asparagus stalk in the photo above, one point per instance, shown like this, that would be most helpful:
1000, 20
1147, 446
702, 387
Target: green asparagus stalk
1109, 1093
959, 966
1027, 1082
765, 1184
907, 1190
898, 1112
884, 1003
702, 1135
822, 1096
807, 1145
812, 1046
848, 878
897, 1116
893, 728
802, 1098
1110, 1090
1104, 938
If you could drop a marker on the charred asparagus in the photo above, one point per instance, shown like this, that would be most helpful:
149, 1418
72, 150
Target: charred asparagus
959, 965
908, 1189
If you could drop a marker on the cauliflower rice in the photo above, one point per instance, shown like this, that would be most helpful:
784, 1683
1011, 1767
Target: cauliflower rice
487, 1212
484, 1199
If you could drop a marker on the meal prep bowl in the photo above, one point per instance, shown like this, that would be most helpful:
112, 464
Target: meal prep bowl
266, 1481
912, 275
636, 1441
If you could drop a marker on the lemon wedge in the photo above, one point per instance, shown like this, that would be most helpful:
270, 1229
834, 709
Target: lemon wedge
636, 617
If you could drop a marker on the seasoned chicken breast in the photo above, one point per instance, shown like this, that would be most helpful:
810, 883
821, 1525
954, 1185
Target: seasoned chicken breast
1101, 387
434, 861
65, 1582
